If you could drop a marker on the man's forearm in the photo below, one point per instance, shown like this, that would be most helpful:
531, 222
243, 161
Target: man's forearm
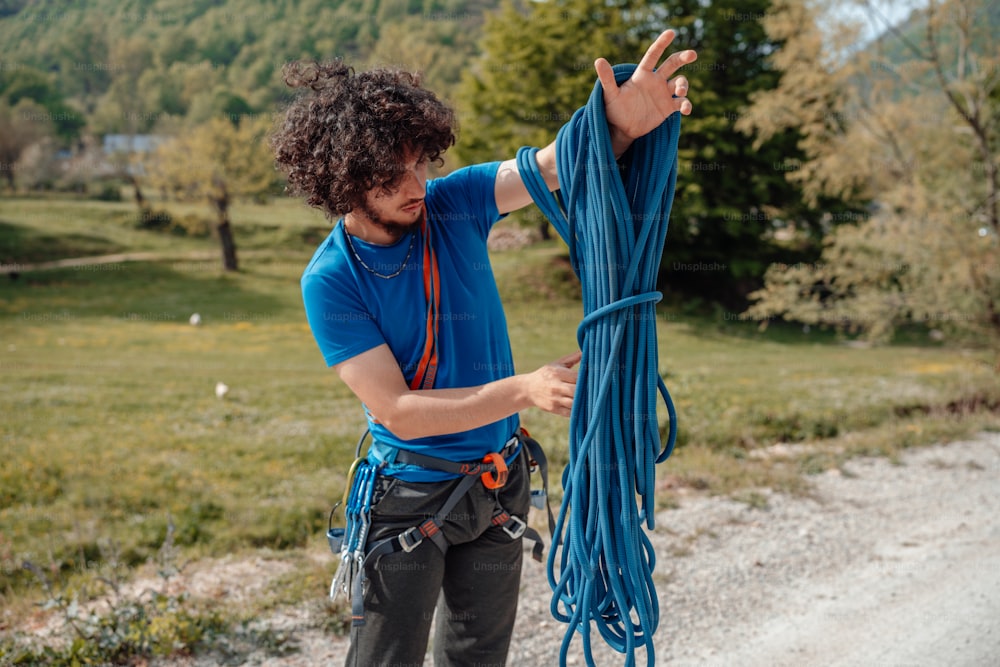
429, 412
547, 163
546, 159
510, 192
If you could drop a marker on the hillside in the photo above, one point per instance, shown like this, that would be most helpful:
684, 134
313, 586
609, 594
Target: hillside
129, 66
895, 45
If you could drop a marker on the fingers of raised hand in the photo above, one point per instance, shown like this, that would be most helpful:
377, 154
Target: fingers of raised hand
678, 88
563, 410
655, 50
675, 62
606, 75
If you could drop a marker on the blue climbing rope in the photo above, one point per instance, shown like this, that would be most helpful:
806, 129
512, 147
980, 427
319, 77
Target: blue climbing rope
614, 219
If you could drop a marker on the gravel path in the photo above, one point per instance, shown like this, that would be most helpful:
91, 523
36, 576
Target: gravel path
885, 565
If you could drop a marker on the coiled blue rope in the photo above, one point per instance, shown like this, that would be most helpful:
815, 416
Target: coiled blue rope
614, 220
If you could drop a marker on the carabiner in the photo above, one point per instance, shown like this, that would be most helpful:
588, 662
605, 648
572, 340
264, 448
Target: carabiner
350, 477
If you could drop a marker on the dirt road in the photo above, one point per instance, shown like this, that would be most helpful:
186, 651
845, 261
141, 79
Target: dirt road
886, 565
890, 565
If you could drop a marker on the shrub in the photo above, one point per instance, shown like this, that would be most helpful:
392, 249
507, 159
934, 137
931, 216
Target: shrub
153, 219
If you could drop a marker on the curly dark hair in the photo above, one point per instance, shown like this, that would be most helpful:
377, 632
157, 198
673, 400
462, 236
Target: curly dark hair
346, 134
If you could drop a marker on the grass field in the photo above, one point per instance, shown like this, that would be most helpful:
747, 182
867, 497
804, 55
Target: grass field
111, 427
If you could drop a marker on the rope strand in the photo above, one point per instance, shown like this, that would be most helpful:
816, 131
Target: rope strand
616, 231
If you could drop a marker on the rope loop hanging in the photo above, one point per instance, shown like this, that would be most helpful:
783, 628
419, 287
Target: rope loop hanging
614, 216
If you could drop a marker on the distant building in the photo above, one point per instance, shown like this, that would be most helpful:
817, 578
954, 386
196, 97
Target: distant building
131, 143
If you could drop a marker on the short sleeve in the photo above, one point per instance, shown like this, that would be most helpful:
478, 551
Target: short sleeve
341, 324
467, 196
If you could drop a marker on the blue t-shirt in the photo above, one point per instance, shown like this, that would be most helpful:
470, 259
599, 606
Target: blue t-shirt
351, 310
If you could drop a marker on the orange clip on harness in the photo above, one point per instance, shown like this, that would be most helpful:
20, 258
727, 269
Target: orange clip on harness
497, 480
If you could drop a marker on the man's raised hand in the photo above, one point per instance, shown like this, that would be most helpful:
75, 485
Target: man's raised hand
650, 95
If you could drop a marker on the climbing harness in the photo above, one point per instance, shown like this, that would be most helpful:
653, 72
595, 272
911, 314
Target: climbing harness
614, 219
350, 542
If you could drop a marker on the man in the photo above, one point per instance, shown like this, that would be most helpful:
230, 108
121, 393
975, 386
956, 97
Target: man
404, 307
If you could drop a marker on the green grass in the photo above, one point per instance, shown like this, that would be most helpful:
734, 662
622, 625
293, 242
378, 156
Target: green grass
111, 427
35, 230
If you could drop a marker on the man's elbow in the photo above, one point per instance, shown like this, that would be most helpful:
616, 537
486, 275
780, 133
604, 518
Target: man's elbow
401, 424
402, 429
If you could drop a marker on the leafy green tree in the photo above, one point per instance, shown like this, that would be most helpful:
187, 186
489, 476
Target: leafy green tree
77, 57
921, 136
218, 161
27, 83
734, 211
439, 48
536, 69
121, 109
176, 45
197, 50
199, 83
161, 97
21, 126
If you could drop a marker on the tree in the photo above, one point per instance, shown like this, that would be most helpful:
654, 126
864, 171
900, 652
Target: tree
439, 49
78, 55
535, 71
734, 212
27, 83
919, 136
196, 49
21, 126
218, 161
121, 109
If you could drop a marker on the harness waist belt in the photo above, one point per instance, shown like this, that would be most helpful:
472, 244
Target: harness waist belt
471, 468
